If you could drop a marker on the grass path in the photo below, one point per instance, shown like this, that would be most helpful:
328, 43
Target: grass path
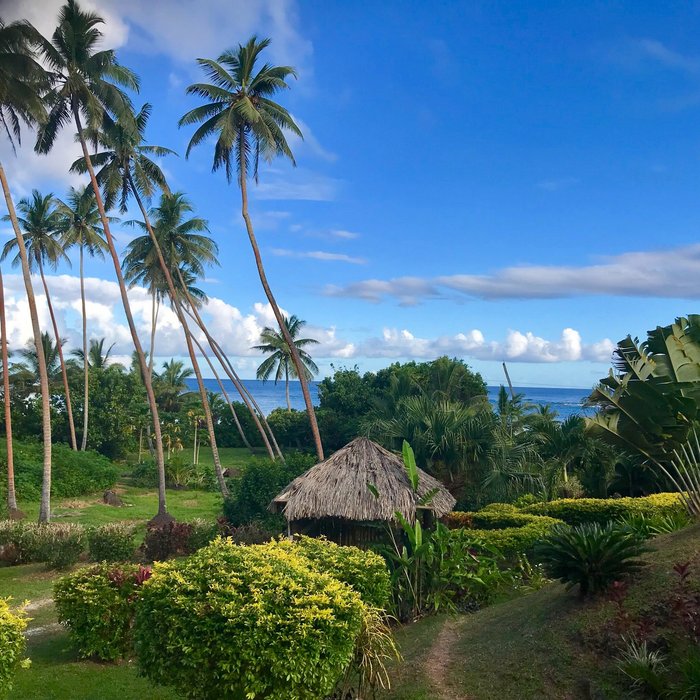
440, 659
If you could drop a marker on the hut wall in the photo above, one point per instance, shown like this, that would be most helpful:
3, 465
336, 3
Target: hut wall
346, 532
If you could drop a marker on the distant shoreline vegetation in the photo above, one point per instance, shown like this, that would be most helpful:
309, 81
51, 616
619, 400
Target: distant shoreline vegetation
566, 401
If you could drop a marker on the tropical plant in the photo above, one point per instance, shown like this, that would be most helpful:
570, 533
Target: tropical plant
79, 225
280, 361
85, 85
128, 170
22, 82
248, 124
645, 667
97, 357
40, 225
590, 555
649, 402
13, 511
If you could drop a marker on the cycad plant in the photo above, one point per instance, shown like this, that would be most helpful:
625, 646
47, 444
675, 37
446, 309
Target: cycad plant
591, 556
247, 124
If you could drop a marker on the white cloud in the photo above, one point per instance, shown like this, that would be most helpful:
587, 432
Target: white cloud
237, 331
302, 185
309, 142
637, 53
670, 273
318, 255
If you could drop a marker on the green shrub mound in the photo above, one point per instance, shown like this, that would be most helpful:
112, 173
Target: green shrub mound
366, 572
73, 473
111, 542
591, 556
237, 621
59, 545
12, 644
97, 605
576, 511
511, 541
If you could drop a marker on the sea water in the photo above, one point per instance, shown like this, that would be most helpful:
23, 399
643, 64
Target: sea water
565, 402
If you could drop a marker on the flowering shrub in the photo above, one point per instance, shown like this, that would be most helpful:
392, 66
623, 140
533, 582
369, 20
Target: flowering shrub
111, 542
12, 644
97, 606
19, 541
245, 622
60, 544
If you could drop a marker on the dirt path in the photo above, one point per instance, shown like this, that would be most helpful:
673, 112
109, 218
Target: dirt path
439, 659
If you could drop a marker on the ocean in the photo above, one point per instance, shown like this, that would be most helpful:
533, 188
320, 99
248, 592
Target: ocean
565, 402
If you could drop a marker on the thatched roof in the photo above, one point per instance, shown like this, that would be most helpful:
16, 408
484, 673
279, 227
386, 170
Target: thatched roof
338, 488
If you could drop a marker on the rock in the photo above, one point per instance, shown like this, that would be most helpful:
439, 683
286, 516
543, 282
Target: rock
112, 499
231, 472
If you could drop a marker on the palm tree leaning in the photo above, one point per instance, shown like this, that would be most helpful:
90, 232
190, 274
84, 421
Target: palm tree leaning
22, 81
42, 241
248, 124
97, 356
280, 361
79, 224
85, 84
127, 170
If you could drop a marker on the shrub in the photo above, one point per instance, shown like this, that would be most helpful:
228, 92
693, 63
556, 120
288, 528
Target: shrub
165, 541
457, 519
202, 532
61, 544
576, 511
364, 571
97, 606
274, 628
590, 555
647, 526
12, 644
19, 541
260, 482
111, 542
511, 541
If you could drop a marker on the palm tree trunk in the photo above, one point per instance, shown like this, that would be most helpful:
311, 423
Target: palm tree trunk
154, 322
252, 400
13, 511
162, 516
59, 348
86, 364
273, 303
188, 340
194, 449
45, 507
254, 409
286, 386
241, 432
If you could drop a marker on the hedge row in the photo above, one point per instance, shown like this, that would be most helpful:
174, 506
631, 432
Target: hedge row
278, 620
576, 511
511, 541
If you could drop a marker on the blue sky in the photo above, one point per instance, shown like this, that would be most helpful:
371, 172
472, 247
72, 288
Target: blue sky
496, 181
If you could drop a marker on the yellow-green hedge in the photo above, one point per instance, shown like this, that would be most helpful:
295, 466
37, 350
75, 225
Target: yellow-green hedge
576, 511
254, 621
12, 644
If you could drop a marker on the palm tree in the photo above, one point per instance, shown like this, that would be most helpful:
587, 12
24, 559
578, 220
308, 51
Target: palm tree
248, 124
43, 245
79, 224
13, 511
97, 357
22, 81
85, 85
29, 366
280, 361
171, 383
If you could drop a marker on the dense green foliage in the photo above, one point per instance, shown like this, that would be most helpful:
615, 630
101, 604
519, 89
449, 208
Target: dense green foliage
74, 473
61, 544
97, 606
260, 482
111, 542
364, 571
177, 539
273, 627
12, 644
603, 510
590, 555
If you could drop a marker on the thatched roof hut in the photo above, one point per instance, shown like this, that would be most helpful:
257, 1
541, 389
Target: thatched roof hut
340, 489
